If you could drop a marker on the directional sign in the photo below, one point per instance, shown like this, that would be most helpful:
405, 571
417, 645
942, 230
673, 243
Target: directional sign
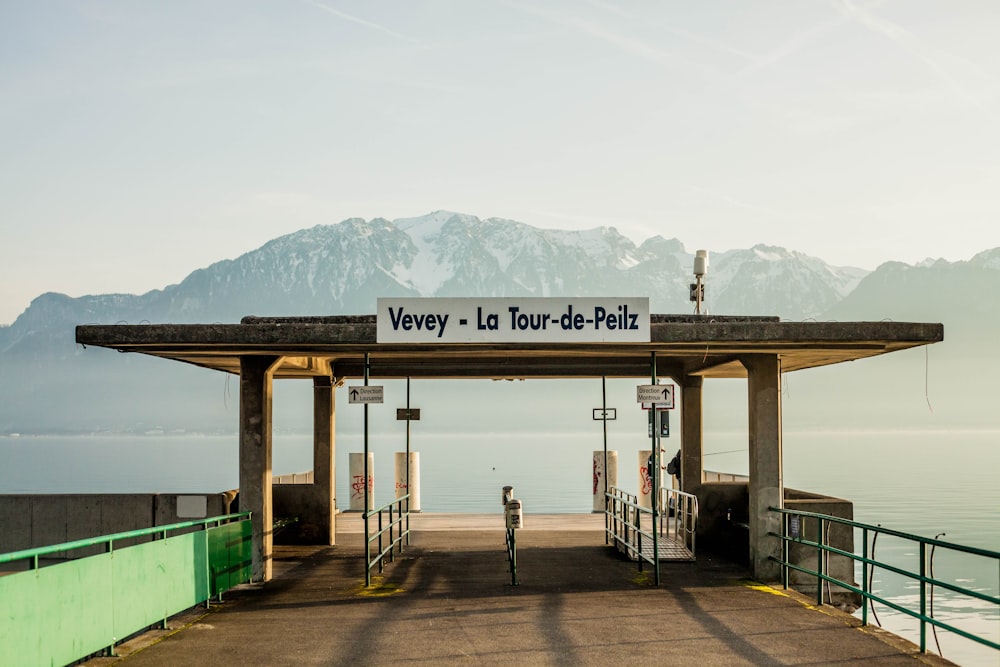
413, 414
363, 394
611, 414
661, 394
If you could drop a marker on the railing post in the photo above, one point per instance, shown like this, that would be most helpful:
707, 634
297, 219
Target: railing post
784, 551
392, 539
512, 541
923, 597
819, 564
864, 577
607, 519
381, 561
638, 535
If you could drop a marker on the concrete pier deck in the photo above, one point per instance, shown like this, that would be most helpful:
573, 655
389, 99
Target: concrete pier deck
448, 600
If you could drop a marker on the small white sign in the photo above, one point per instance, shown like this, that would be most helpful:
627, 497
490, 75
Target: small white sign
363, 394
192, 507
661, 394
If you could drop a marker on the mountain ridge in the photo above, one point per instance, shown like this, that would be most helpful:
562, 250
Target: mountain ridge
342, 268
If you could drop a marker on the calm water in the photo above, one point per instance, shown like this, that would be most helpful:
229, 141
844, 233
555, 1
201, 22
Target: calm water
921, 482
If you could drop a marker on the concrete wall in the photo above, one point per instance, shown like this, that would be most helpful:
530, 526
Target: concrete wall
837, 535
723, 515
29, 521
304, 503
729, 536
294, 478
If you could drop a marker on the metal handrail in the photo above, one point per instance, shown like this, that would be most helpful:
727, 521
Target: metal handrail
867, 595
109, 540
619, 507
512, 554
685, 515
402, 515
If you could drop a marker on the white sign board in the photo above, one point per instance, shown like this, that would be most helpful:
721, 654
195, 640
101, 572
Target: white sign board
363, 394
660, 394
527, 320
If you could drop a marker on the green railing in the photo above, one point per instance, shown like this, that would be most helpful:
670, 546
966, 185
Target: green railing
55, 614
396, 524
679, 517
512, 554
793, 528
623, 526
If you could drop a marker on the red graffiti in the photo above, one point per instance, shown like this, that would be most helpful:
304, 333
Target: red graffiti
597, 476
647, 481
358, 485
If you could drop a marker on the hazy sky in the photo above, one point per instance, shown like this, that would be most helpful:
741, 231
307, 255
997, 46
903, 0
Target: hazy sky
142, 140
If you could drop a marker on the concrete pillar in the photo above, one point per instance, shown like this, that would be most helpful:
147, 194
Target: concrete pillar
766, 480
255, 456
324, 458
692, 434
414, 486
645, 492
601, 476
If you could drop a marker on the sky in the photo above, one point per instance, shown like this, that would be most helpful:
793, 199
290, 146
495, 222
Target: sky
142, 140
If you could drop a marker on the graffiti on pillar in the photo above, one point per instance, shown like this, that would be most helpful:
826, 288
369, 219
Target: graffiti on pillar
401, 486
597, 475
647, 481
358, 485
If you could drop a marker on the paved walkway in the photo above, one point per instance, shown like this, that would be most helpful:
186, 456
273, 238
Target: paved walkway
448, 601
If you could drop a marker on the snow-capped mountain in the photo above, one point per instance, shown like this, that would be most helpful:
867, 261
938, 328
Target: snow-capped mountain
343, 268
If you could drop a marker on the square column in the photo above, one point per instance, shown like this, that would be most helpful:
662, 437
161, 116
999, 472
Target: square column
692, 434
324, 458
255, 457
766, 478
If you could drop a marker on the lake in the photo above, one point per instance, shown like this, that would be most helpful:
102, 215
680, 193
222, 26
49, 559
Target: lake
924, 482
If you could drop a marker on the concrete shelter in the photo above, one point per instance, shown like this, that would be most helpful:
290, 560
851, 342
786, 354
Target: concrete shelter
687, 349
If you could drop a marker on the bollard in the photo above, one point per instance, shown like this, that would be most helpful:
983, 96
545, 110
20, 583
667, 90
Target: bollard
357, 483
601, 476
645, 480
414, 487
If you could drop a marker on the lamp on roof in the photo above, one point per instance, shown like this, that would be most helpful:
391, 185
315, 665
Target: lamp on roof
698, 287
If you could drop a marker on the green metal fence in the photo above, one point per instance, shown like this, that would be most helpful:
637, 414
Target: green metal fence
393, 529
55, 614
623, 527
793, 529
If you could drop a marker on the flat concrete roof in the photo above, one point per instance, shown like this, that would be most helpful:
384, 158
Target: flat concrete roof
709, 346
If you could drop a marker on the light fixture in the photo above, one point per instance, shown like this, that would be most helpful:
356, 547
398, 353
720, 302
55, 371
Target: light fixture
698, 287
